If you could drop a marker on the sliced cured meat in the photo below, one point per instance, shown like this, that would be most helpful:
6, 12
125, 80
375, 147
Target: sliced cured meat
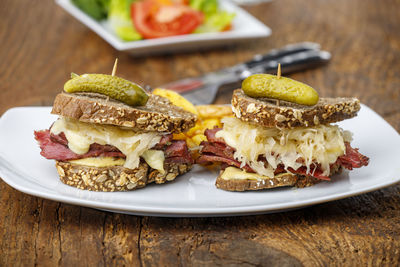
178, 152
176, 148
58, 151
182, 159
59, 138
210, 134
353, 158
56, 147
165, 140
219, 149
51, 149
317, 173
208, 158
216, 150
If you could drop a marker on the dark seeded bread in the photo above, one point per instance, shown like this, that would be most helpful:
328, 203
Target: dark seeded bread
116, 178
157, 115
265, 112
287, 179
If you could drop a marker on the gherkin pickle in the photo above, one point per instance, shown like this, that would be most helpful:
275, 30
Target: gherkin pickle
282, 88
112, 86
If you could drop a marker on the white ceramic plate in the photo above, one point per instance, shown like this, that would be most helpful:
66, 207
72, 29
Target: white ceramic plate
194, 193
245, 27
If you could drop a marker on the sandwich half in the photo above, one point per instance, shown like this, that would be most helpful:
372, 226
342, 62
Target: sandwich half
102, 144
267, 146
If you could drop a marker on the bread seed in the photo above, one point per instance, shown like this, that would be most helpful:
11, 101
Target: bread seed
60, 171
128, 124
280, 118
170, 176
131, 186
101, 178
316, 120
251, 108
85, 178
141, 120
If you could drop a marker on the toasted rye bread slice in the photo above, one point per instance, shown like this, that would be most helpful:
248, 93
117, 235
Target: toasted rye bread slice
265, 112
158, 115
286, 179
116, 178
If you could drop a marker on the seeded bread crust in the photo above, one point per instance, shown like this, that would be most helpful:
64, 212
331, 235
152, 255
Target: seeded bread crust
158, 115
116, 178
265, 112
287, 179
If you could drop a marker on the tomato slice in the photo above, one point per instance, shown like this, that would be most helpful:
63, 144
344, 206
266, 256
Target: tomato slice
155, 20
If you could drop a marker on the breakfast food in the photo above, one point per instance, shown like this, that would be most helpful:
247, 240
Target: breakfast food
269, 144
103, 144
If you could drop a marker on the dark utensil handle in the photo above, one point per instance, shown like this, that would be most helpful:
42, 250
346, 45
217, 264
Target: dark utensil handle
293, 63
278, 53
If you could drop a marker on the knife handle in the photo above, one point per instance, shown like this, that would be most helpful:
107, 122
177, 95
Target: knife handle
278, 53
291, 63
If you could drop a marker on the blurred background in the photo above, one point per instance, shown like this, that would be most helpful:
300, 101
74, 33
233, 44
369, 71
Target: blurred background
41, 44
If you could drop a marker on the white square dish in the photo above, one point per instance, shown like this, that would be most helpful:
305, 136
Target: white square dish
244, 27
193, 194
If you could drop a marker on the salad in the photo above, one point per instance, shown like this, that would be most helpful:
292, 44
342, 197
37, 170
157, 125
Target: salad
133, 20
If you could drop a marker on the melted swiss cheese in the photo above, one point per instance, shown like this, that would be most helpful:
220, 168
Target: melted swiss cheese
133, 145
99, 162
232, 173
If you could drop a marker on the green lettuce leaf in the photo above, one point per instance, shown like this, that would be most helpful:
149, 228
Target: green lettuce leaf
208, 7
216, 22
97, 9
119, 18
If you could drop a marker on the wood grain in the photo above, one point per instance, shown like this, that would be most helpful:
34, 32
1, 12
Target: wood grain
41, 44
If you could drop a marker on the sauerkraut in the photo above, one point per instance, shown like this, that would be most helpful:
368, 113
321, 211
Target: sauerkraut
293, 148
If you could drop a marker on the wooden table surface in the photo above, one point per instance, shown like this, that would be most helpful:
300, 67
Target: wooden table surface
41, 44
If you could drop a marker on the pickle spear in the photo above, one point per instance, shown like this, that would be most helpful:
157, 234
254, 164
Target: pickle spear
281, 88
112, 86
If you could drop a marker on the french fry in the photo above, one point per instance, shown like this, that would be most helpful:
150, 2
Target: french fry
209, 116
210, 124
195, 130
214, 111
209, 120
197, 139
176, 99
179, 136
190, 143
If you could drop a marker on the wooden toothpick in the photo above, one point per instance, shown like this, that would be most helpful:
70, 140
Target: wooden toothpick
278, 75
115, 67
